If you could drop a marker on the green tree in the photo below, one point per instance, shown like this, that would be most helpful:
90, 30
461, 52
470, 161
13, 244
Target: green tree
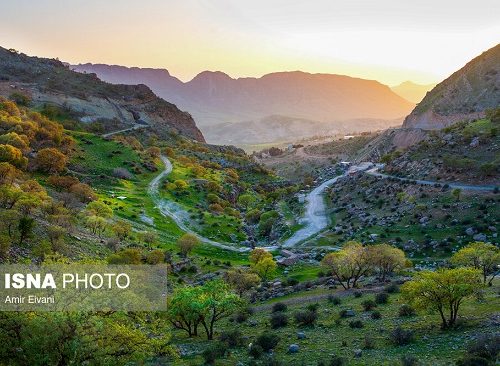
186, 309
443, 290
25, 228
386, 259
241, 280
262, 263
187, 243
51, 160
349, 264
121, 230
100, 209
456, 193
482, 256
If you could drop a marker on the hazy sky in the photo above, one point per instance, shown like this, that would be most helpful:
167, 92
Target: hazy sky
387, 40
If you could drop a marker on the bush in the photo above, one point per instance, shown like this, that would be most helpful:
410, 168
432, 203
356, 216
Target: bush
313, 307
278, 320
337, 361
400, 336
368, 305
335, 300
382, 298
255, 351
243, 315
357, 294
368, 343
233, 338
356, 324
214, 352
406, 310
409, 361
392, 288
267, 341
345, 313
376, 315
305, 317
279, 306
483, 351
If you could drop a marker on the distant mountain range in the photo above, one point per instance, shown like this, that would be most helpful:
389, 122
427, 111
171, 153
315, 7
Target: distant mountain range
49, 81
411, 91
214, 98
466, 94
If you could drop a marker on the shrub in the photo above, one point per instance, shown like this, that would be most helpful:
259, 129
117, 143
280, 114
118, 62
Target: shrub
368, 305
345, 313
357, 294
278, 320
279, 306
400, 336
368, 343
267, 341
382, 298
409, 361
482, 351
313, 307
305, 317
255, 351
392, 288
406, 310
214, 352
376, 315
356, 324
337, 361
335, 300
233, 338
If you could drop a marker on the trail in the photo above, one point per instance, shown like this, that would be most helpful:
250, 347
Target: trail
466, 187
134, 127
171, 210
315, 218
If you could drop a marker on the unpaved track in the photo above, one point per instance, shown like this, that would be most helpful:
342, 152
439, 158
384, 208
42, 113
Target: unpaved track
315, 217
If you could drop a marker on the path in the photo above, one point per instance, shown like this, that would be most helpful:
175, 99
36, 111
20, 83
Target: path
133, 128
466, 187
171, 210
315, 218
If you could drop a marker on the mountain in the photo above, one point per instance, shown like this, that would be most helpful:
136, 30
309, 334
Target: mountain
466, 94
49, 81
214, 98
411, 91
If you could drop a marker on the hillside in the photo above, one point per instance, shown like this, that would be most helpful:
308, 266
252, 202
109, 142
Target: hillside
411, 91
90, 100
466, 94
214, 98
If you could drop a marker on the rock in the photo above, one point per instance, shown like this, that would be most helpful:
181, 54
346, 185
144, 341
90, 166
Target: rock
293, 348
492, 228
423, 220
350, 313
479, 237
252, 323
358, 353
474, 142
447, 137
301, 335
469, 231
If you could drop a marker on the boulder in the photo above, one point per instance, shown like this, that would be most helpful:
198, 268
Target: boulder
293, 348
358, 353
301, 335
469, 231
479, 237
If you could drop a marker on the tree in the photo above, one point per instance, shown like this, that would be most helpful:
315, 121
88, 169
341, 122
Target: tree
126, 256
443, 290
258, 254
51, 160
265, 267
218, 302
96, 224
456, 193
187, 243
149, 238
9, 173
122, 230
25, 228
83, 192
386, 259
185, 309
100, 209
241, 280
19, 141
181, 184
482, 256
246, 200
349, 264
12, 155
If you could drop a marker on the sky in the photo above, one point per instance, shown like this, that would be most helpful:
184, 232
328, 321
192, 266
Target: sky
387, 40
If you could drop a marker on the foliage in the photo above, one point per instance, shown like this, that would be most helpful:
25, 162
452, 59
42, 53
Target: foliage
187, 243
382, 298
241, 280
305, 317
279, 306
443, 290
401, 337
482, 256
262, 263
387, 259
278, 320
267, 341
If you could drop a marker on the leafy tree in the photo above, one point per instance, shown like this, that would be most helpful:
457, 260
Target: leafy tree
19, 141
149, 237
126, 256
246, 200
62, 182
386, 259
482, 256
25, 228
187, 243
12, 155
349, 264
241, 280
83, 192
265, 268
443, 290
259, 254
51, 160
96, 224
122, 230
100, 209
218, 302
181, 185
9, 173
185, 309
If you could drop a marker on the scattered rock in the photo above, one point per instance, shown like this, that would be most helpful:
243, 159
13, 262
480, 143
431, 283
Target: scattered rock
479, 237
293, 348
358, 353
470, 231
301, 335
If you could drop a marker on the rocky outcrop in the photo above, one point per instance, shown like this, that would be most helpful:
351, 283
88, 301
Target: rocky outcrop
49, 81
465, 95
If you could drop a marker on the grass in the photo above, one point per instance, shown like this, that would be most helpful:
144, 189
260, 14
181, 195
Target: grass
432, 346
